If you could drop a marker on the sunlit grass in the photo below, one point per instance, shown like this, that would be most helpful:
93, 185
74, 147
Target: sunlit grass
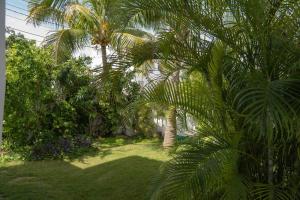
119, 170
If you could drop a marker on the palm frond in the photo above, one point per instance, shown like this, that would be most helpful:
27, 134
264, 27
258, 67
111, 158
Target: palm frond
277, 101
201, 171
66, 41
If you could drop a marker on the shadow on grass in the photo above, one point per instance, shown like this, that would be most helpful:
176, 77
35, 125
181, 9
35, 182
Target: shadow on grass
123, 179
119, 141
80, 154
102, 148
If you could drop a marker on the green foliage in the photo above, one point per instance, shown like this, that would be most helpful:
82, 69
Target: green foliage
143, 121
88, 22
239, 68
51, 109
116, 91
46, 104
245, 96
28, 88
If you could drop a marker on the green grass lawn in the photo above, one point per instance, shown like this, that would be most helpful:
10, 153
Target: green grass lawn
119, 170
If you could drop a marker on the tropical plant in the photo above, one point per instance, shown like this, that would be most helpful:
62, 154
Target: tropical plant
91, 22
144, 65
243, 57
80, 23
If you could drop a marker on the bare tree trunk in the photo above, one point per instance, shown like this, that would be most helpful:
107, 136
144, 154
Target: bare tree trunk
170, 132
171, 129
104, 59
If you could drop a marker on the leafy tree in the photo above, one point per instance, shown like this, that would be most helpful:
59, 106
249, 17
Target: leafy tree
46, 103
28, 87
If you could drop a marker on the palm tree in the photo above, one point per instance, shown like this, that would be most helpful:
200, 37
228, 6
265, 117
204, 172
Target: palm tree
143, 51
171, 129
80, 23
89, 22
245, 95
140, 52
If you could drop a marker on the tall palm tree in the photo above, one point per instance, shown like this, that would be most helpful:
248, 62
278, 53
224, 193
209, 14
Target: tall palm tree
246, 97
171, 129
80, 23
142, 51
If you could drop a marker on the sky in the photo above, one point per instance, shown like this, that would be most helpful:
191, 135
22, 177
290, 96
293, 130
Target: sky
16, 13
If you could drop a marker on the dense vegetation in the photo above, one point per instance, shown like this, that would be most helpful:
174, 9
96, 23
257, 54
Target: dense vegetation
233, 66
54, 109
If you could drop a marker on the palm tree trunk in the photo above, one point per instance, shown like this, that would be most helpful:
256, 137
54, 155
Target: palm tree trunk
171, 129
170, 132
104, 59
